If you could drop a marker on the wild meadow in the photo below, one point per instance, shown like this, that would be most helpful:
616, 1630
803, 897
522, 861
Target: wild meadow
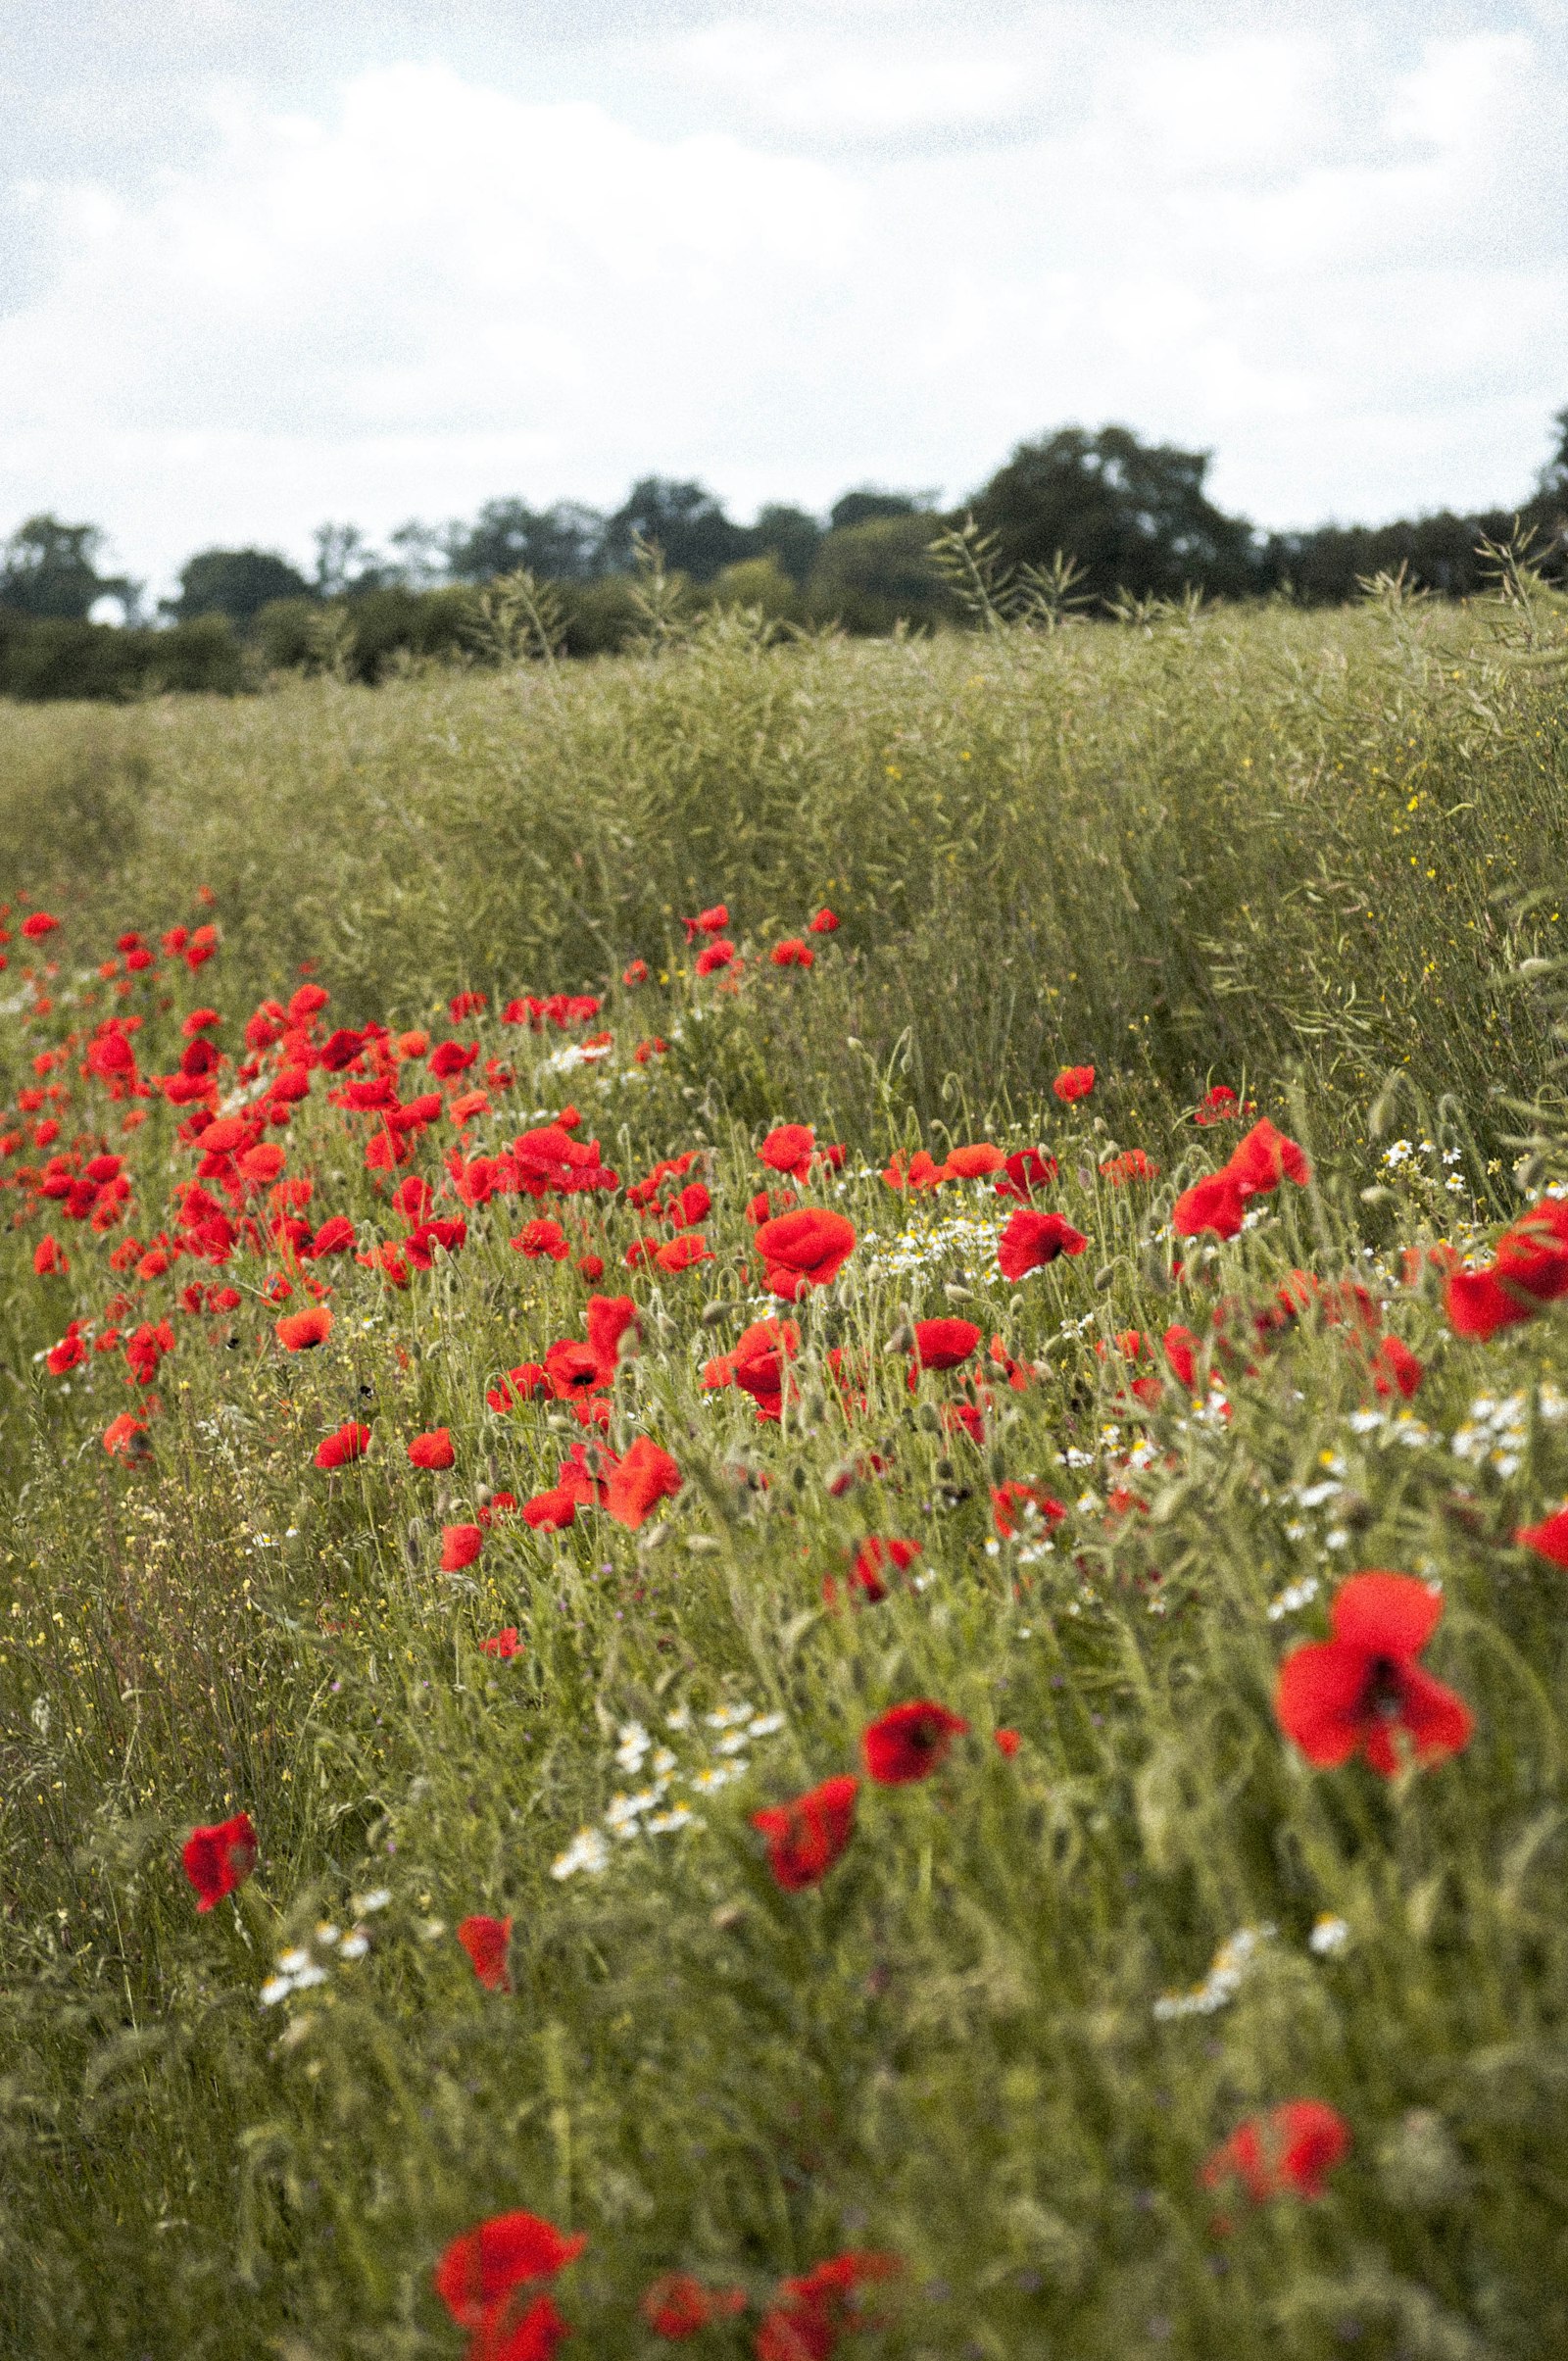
784, 1435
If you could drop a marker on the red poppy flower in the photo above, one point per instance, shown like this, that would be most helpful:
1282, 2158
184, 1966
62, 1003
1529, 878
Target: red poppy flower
1265, 1157
1548, 1539
757, 1364
1256, 1167
1018, 1374
110, 1054
943, 1343
420, 1245
870, 1561
219, 1858
67, 1355
505, 1645
49, 1259
433, 1449
678, 2307
1395, 1367
1181, 1348
1031, 1240
460, 1544
339, 1050
1027, 1170
591, 1266
1132, 1164
612, 1324
301, 1331
909, 1741
1014, 1503
336, 1236
1074, 1082
487, 2264
1215, 1203
824, 923
1529, 1269
485, 1940
537, 2335
679, 1254
573, 1368
709, 922
1347, 1695
976, 1163
146, 1348
792, 953
810, 2316
1290, 2150
642, 1479
714, 956
1008, 1742
808, 1835
38, 926
543, 1237
789, 1148
125, 1438
1219, 1104
965, 1418
635, 972
919, 1171
551, 1512
350, 1442
805, 1249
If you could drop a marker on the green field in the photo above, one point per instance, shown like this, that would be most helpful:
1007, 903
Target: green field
1007, 2041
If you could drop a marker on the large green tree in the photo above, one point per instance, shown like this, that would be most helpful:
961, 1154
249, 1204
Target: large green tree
688, 523
559, 544
236, 582
1133, 514
790, 535
50, 569
868, 505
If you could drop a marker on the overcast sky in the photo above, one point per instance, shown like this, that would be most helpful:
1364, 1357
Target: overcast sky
264, 265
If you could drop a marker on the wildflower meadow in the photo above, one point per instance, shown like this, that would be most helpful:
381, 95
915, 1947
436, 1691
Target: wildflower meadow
785, 1470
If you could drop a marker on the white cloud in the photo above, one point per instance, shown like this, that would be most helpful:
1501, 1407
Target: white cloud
796, 79
791, 251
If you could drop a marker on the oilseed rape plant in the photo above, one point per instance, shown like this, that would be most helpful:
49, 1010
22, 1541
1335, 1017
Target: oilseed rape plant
763, 1598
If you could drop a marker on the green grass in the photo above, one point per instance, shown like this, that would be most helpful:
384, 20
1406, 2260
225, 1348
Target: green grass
1298, 855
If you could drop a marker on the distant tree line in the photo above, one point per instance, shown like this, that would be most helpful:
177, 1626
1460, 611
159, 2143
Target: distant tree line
1134, 518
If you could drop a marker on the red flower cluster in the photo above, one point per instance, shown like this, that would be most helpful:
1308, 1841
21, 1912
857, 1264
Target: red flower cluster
1261, 1161
678, 2307
485, 2279
1529, 1269
810, 2316
1290, 2152
808, 1835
